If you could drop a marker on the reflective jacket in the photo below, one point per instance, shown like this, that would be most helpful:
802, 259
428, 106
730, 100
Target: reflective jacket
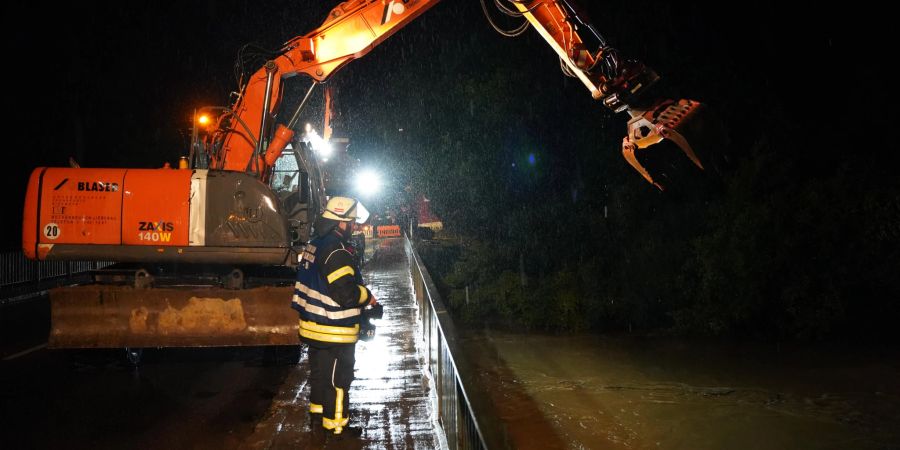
329, 293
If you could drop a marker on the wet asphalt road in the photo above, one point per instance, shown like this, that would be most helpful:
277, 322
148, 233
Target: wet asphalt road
391, 399
176, 398
207, 398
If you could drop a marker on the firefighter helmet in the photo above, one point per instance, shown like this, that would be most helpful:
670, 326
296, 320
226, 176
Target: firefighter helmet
345, 209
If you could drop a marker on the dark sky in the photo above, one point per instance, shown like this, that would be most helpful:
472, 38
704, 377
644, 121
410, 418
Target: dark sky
114, 84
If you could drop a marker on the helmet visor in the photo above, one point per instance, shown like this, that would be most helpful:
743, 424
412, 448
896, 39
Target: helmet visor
362, 214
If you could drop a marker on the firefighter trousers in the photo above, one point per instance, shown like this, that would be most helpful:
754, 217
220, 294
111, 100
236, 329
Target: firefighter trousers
331, 372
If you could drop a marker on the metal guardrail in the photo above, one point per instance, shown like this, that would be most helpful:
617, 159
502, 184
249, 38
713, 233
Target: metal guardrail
16, 269
463, 408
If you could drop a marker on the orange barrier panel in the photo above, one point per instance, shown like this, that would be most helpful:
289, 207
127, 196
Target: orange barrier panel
388, 231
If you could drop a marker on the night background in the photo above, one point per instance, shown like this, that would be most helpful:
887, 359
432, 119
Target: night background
797, 239
549, 235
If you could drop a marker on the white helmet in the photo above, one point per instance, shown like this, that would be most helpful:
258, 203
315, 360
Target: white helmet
345, 209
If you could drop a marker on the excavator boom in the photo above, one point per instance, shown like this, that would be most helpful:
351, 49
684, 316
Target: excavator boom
350, 31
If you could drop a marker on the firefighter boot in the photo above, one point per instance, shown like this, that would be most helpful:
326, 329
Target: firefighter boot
347, 433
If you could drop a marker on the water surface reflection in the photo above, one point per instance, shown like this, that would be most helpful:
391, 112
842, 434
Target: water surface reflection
617, 393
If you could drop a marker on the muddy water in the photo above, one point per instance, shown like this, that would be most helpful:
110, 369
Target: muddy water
590, 392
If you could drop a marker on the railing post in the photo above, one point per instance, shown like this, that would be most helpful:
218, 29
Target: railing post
36, 272
16, 269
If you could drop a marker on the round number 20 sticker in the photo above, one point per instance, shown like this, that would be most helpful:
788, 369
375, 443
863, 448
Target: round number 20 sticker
51, 231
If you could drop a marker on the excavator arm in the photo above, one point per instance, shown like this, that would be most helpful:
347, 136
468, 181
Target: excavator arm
245, 141
623, 85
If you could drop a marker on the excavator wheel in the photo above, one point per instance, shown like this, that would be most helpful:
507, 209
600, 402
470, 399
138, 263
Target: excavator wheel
142, 279
233, 280
674, 140
133, 355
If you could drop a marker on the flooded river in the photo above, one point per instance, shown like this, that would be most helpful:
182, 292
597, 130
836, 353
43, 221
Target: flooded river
591, 392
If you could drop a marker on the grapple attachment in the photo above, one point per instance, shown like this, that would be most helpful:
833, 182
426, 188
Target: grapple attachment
698, 138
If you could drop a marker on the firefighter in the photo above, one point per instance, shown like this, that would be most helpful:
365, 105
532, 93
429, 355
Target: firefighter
329, 295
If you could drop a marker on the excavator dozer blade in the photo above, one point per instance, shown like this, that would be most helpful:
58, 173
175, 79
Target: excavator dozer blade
104, 316
673, 138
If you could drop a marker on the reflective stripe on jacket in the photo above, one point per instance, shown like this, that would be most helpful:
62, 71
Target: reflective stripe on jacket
327, 267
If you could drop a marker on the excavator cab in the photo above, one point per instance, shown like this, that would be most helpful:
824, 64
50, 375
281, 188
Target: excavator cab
296, 180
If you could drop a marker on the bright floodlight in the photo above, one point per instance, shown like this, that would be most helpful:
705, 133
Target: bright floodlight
368, 183
320, 146
203, 119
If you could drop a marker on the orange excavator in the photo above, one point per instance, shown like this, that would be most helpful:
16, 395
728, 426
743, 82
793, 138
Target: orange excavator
247, 198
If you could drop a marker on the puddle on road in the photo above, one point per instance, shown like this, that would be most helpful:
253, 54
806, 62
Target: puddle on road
592, 392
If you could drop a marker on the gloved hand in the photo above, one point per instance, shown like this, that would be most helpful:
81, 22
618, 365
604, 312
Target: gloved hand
366, 327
